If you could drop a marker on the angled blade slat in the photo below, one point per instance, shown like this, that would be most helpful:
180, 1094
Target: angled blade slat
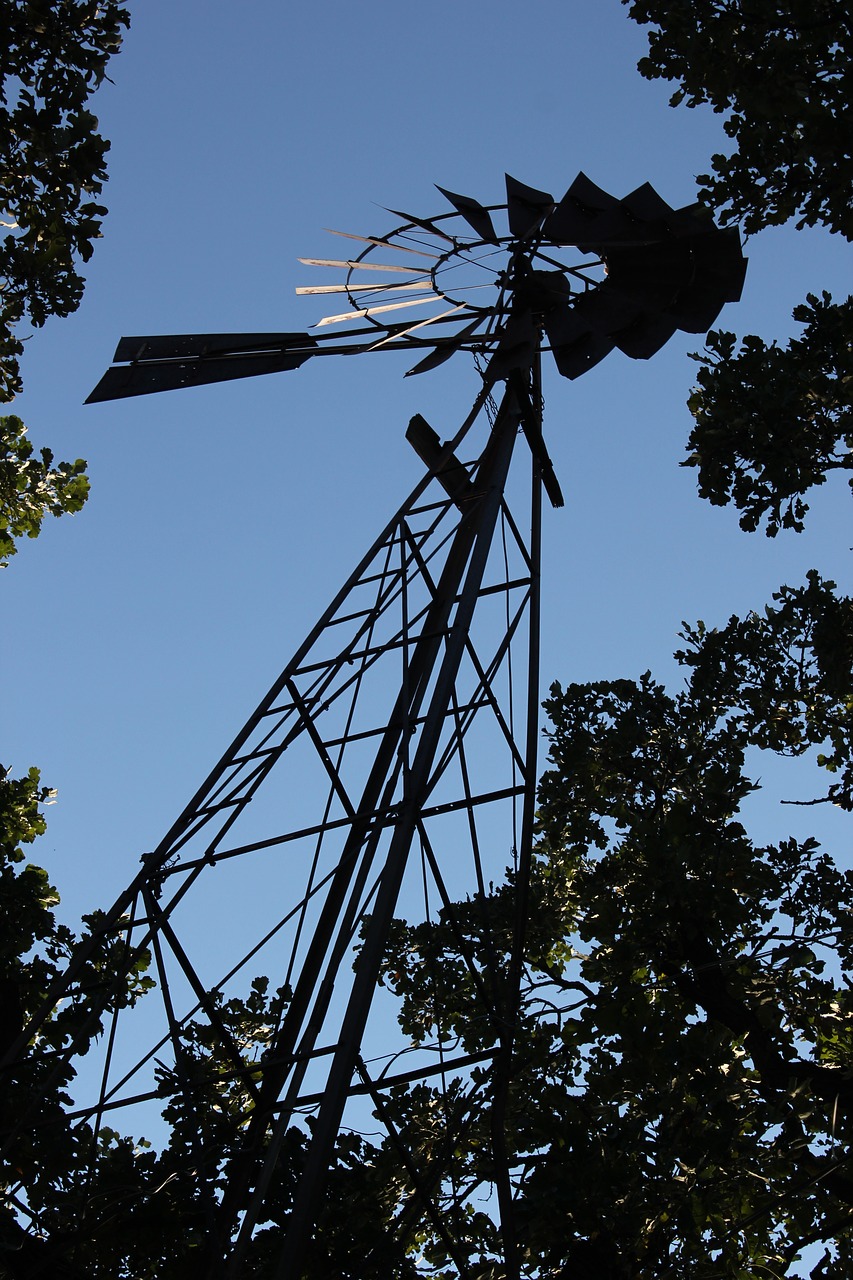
361, 266
422, 222
374, 311
422, 283
443, 351
384, 244
477, 217
401, 333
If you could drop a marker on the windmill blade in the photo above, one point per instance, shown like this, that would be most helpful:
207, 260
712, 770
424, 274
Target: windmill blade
574, 359
383, 244
606, 310
354, 265
577, 343
691, 219
526, 207
696, 310
719, 260
588, 216
473, 213
172, 361
421, 222
652, 275
590, 196
644, 204
375, 311
436, 357
421, 324
395, 334
689, 278
645, 336
421, 283
444, 350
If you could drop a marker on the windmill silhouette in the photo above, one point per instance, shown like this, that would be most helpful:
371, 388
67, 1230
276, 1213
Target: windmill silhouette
392, 766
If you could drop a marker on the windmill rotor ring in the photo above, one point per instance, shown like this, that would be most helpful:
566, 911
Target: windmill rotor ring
502, 281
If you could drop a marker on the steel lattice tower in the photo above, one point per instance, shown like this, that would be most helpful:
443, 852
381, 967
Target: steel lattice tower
391, 769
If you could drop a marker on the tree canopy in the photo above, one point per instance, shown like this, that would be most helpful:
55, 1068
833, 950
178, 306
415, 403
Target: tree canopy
769, 423
31, 487
680, 1103
780, 69
54, 56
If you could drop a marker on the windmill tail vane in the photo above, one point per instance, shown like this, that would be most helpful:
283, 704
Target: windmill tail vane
352, 841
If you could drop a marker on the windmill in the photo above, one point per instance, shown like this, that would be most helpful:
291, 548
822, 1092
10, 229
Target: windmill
392, 765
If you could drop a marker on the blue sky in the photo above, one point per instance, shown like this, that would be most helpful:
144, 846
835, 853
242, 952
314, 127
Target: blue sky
222, 520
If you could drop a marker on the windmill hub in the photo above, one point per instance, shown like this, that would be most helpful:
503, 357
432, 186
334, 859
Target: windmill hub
540, 291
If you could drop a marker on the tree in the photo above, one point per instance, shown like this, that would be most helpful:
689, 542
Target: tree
52, 167
54, 56
31, 487
681, 1095
682, 1098
769, 423
781, 70
46, 1151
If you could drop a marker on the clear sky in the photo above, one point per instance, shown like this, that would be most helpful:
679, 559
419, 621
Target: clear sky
138, 635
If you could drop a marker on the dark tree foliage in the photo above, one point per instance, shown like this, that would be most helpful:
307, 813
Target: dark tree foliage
53, 56
771, 422
43, 1153
787, 677
82, 1200
781, 70
683, 1092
